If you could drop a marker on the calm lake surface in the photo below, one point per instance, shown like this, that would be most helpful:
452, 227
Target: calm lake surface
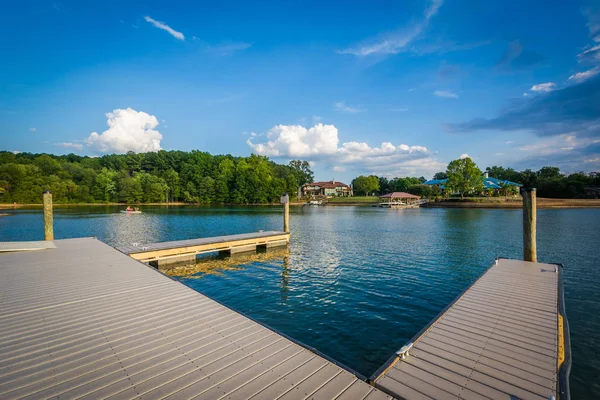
359, 282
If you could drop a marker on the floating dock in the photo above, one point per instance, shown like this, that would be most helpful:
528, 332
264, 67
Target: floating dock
83, 320
505, 337
79, 319
186, 250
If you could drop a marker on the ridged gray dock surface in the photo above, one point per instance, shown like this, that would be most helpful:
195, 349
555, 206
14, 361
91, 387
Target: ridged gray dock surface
177, 248
505, 337
86, 321
26, 246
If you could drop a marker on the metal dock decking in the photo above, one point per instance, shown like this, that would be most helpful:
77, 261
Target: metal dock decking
180, 249
505, 337
83, 320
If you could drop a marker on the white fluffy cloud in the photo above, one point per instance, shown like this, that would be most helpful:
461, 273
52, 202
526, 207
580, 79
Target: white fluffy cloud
543, 87
298, 141
464, 155
165, 27
128, 130
321, 142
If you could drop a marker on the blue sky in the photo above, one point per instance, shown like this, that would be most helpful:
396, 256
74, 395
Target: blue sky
393, 88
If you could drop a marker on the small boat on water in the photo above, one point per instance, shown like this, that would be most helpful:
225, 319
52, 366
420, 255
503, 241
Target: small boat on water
315, 203
130, 210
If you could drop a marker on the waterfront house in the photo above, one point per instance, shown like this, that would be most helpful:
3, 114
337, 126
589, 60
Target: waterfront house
330, 188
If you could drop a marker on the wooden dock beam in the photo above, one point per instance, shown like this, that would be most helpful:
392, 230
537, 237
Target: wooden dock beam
48, 225
529, 224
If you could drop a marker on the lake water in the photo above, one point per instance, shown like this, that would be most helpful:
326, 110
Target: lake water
359, 282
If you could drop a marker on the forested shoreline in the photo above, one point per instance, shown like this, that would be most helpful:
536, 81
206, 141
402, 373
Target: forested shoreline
163, 176
201, 178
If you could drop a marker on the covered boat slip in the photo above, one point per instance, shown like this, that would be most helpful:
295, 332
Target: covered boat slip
84, 320
505, 337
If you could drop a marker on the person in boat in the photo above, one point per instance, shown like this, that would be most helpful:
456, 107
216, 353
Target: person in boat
129, 208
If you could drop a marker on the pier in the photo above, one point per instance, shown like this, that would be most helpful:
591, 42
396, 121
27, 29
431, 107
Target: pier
505, 337
186, 250
83, 320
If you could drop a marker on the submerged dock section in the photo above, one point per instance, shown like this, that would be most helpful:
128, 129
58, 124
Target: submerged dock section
186, 250
505, 337
83, 320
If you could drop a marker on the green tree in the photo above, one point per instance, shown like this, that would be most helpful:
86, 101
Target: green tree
365, 184
302, 172
106, 183
440, 175
464, 177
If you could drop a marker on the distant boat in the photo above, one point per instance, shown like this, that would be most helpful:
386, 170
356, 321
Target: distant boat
315, 203
131, 212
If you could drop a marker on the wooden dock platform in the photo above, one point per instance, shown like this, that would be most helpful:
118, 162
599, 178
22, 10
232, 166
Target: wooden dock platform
85, 321
505, 337
186, 250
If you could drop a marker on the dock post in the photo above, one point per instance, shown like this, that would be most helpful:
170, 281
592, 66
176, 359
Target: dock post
529, 224
48, 227
285, 200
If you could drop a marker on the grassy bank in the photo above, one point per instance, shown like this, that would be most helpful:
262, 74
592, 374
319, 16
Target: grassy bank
357, 200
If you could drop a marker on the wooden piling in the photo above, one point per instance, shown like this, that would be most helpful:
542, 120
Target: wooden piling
48, 226
529, 224
285, 200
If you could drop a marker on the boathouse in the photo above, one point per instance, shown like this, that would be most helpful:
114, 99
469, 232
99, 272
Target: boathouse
399, 199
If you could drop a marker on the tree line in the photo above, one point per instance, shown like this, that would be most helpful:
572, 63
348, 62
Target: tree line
464, 178
163, 176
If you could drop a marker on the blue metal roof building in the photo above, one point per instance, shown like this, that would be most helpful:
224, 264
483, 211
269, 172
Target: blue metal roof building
488, 183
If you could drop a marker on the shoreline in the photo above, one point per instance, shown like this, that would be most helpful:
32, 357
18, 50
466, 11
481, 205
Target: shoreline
542, 203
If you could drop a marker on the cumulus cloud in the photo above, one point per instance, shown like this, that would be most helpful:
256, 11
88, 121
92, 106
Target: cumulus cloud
165, 27
343, 107
128, 130
337, 168
321, 142
397, 41
298, 141
70, 145
543, 87
463, 156
585, 75
446, 94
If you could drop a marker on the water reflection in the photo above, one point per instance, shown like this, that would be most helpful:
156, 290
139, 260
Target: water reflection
216, 265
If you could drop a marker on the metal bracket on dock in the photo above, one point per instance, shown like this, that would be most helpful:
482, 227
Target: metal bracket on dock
403, 352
